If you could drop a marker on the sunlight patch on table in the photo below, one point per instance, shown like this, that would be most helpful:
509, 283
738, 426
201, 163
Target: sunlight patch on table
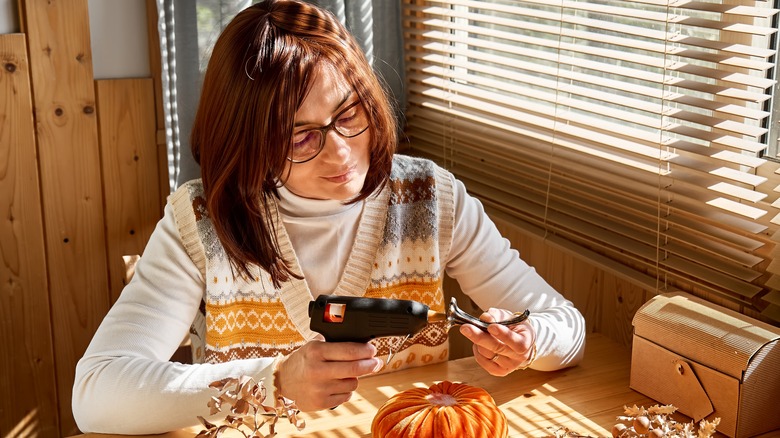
543, 418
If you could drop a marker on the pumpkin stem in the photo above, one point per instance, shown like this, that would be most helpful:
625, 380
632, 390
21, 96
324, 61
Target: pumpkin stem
437, 398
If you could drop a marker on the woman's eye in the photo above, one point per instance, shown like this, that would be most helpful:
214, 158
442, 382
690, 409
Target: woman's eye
303, 139
347, 118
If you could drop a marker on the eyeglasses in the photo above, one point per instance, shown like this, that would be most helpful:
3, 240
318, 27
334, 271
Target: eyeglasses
349, 123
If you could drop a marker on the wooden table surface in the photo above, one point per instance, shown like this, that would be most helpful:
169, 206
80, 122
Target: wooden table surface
586, 399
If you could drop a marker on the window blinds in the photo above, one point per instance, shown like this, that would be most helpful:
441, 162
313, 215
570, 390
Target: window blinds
630, 132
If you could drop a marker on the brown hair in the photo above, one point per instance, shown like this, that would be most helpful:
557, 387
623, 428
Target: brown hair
260, 70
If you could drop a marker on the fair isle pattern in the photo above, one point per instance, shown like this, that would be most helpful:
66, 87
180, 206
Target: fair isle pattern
408, 263
233, 321
244, 318
404, 234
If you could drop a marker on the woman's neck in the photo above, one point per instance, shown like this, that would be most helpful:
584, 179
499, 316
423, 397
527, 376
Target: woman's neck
298, 206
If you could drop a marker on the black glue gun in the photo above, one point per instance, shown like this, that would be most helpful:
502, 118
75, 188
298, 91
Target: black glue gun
360, 319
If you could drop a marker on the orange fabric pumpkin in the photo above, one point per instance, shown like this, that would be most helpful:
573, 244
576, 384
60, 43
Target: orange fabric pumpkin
445, 409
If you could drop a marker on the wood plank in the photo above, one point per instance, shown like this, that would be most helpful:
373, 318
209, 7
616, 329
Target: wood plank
621, 299
28, 406
130, 176
64, 102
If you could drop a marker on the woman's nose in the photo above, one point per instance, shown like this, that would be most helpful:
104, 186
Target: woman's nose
335, 146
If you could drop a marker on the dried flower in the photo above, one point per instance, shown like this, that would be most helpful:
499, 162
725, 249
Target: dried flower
245, 399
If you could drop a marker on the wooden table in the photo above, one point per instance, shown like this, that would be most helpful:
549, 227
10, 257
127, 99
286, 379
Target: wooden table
585, 399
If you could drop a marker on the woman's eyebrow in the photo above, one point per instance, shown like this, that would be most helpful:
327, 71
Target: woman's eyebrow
343, 100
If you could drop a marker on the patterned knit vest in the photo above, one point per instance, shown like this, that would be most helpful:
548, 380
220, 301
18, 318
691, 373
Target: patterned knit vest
405, 232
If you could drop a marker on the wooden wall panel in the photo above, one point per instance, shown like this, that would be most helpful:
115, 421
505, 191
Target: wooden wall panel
130, 174
28, 404
64, 102
617, 307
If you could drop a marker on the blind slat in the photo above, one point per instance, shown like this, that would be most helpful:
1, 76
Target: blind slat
645, 253
576, 51
653, 77
440, 66
755, 12
544, 122
448, 79
576, 174
559, 37
711, 167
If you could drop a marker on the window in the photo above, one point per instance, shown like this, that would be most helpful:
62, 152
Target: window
630, 132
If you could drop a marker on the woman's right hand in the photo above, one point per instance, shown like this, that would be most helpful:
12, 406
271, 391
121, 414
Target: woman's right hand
322, 375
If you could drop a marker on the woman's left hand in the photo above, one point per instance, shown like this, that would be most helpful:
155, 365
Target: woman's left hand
501, 349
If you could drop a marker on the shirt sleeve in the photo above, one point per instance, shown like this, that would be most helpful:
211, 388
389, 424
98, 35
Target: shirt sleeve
125, 382
492, 274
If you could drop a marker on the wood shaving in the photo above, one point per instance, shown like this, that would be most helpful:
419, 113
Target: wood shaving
653, 422
564, 432
244, 397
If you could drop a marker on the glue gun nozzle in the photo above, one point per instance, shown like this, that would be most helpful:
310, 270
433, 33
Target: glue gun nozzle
434, 316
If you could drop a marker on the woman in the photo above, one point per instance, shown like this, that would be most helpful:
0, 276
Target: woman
301, 194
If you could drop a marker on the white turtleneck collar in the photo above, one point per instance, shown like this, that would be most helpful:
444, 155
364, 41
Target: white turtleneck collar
293, 205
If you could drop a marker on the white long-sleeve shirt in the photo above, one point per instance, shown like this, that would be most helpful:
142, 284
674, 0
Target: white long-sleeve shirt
125, 383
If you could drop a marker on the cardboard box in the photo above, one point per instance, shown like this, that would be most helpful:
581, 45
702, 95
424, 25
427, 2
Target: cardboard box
708, 361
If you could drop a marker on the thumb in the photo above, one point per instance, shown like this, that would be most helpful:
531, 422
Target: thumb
487, 317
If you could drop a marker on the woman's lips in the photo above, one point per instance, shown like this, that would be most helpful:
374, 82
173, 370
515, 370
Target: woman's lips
342, 177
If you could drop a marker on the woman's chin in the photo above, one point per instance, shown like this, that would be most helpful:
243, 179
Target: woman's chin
345, 194
348, 190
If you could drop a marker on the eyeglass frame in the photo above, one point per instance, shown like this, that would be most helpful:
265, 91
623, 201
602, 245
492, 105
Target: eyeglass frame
330, 126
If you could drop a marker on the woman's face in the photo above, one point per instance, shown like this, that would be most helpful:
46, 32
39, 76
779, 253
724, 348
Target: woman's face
340, 169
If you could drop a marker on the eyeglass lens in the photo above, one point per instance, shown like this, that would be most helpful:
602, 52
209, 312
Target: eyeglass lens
348, 123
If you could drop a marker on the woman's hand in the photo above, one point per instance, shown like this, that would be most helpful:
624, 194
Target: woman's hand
502, 349
322, 375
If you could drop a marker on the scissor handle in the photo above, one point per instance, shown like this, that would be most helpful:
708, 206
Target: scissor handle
456, 316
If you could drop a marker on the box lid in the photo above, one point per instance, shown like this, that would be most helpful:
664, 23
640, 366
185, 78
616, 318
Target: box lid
711, 335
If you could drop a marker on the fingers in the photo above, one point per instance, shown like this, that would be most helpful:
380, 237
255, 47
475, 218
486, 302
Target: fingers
322, 375
335, 400
498, 339
507, 339
501, 349
495, 364
344, 359
348, 369
337, 392
326, 396
344, 351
